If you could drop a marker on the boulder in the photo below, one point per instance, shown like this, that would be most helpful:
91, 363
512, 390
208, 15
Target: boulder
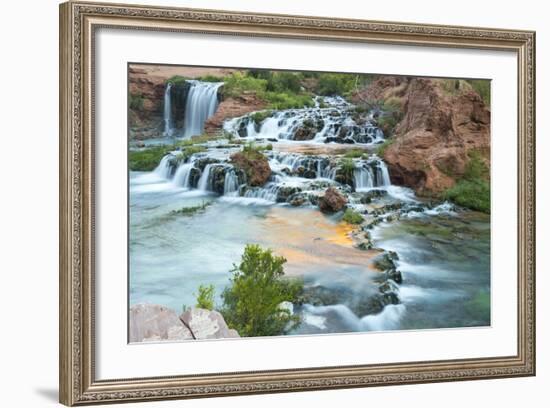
207, 324
255, 165
150, 322
332, 201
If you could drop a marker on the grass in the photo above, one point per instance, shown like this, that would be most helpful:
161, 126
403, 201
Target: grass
260, 116
347, 166
177, 80
189, 211
210, 78
473, 189
352, 217
147, 159
382, 148
354, 154
187, 152
200, 139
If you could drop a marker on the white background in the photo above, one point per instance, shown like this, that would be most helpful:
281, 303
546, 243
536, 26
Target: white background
117, 359
28, 220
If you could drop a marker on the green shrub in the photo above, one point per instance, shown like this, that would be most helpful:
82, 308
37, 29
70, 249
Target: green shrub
483, 88
136, 102
251, 303
282, 100
260, 116
147, 159
238, 83
177, 80
352, 217
285, 82
205, 297
210, 78
382, 148
335, 84
347, 167
354, 153
187, 152
473, 190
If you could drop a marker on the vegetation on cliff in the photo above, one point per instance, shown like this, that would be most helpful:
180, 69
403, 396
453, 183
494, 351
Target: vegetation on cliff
252, 302
473, 189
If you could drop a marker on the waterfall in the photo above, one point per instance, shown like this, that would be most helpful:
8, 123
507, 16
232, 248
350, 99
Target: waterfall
164, 169
168, 131
204, 181
384, 173
371, 173
231, 183
362, 179
182, 178
201, 103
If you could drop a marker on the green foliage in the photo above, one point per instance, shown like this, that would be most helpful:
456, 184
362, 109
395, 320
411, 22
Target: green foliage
200, 139
260, 116
347, 167
238, 83
354, 153
335, 84
382, 148
176, 80
251, 303
147, 159
187, 152
289, 82
136, 102
352, 217
473, 190
282, 100
483, 88
189, 211
210, 78
205, 297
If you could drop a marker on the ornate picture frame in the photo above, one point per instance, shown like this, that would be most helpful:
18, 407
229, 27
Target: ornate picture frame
78, 24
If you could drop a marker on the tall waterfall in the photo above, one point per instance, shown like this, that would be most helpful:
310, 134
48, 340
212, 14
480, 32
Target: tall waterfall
168, 130
202, 102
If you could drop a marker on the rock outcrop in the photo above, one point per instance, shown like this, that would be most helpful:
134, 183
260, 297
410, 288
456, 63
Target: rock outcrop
232, 108
255, 165
149, 322
332, 201
155, 323
207, 324
442, 122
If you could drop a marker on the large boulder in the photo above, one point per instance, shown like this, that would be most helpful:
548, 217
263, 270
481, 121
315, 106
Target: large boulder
332, 201
207, 324
154, 323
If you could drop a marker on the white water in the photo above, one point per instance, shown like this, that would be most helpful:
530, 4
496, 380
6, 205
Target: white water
334, 121
182, 175
168, 129
201, 103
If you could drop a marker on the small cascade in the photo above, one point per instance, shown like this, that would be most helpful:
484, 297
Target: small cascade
370, 173
182, 177
205, 182
168, 128
362, 179
201, 103
335, 122
164, 169
231, 183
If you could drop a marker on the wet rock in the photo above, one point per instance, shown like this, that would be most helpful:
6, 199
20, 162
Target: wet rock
150, 322
366, 198
332, 201
255, 165
284, 192
304, 133
206, 324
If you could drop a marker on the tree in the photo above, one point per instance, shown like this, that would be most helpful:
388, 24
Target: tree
252, 302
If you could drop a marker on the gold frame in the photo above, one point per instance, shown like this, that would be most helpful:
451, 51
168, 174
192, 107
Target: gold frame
78, 22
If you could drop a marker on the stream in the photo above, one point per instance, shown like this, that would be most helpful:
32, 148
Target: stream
443, 252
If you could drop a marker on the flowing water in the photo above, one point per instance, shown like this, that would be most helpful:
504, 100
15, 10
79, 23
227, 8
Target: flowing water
168, 130
443, 251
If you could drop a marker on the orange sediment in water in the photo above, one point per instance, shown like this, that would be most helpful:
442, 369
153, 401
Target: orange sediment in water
308, 237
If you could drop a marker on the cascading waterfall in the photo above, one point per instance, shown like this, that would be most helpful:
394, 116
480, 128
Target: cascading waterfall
336, 122
201, 103
370, 173
168, 129
231, 183
182, 177
164, 169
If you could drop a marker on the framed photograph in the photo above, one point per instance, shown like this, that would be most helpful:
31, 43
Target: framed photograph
256, 203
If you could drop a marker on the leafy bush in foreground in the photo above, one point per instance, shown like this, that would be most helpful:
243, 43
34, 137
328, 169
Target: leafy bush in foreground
251, 304
352, 217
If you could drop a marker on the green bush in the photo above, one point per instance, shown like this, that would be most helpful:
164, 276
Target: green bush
382, 148
352, 217
473, 190
251, 303
347, 167
282, 100
147, 159
205, 297
187, 152
354, 153
177, 80
260, 116
483, 88
238, 83
210, 78
285, 82
136, 102
335, 84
